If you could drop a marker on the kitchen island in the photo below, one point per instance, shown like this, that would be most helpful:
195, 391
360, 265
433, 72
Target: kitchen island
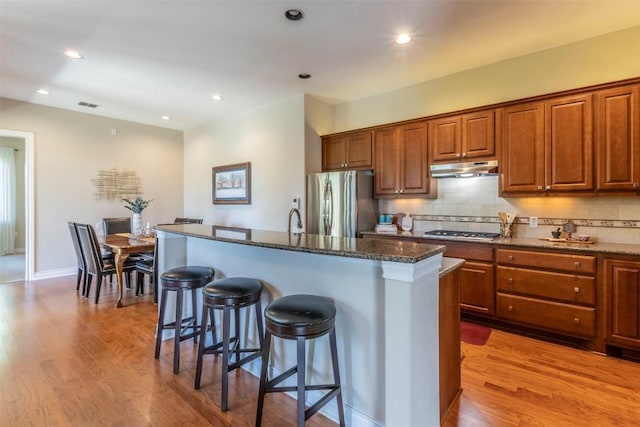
386, 293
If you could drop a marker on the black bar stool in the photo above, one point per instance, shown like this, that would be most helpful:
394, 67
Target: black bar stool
178, 280
227, 294
300, 317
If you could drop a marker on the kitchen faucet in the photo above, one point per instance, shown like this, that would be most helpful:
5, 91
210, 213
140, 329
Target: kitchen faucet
297, 212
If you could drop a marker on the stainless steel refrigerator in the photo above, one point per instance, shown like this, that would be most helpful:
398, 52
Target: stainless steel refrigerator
341, 203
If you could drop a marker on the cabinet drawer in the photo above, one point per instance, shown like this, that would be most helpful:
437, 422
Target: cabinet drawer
565, 318
570, 288
548, 261
460, 250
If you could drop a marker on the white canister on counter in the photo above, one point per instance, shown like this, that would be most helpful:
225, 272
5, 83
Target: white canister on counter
407, 223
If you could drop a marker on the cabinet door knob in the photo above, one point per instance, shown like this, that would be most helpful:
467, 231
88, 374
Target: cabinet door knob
458, 154
510, 308
576, 320
540, 187
397, 191
576, 264
464, 154
636, 185
510, 257
576, 290
547, 188
402, 191
510, 280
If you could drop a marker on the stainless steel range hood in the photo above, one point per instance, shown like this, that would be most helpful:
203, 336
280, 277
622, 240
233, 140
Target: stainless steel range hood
465, 170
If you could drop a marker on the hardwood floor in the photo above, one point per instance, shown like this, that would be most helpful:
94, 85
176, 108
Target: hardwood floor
68, 362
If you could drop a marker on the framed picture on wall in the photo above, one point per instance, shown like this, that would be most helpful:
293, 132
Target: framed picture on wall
232, 184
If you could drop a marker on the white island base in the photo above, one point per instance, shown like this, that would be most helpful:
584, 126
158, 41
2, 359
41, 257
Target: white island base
386, 326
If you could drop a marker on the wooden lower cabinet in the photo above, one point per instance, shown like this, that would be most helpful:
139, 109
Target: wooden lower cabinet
622, 290
551, 291
477, 278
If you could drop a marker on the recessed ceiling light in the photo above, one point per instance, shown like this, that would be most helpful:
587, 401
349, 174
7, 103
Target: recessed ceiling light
166, 118
43, 92
73, 54
294, 14
304, 76
403, 38
216, 97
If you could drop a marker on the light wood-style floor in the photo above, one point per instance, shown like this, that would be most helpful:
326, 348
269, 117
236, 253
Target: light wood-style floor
68, 362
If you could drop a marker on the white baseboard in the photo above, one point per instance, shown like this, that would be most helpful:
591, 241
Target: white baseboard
50, 274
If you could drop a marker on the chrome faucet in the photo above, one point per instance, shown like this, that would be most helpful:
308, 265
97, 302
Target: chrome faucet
297, 212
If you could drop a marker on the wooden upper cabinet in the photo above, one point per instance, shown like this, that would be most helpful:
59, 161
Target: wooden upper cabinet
348, 151
548, 146
387, 167
401, 161
522, 164
569, 144
468, 136
618, 138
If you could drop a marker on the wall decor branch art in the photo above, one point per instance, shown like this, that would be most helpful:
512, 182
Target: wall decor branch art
232, 184
115, 185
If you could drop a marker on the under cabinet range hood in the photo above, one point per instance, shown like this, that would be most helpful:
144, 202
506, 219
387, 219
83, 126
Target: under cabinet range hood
464, 170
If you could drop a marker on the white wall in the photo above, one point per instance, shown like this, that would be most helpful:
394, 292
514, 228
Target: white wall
272, 138
606, 58
70, 148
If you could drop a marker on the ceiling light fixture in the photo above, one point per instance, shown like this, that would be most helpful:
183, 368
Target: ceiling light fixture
294, 14
216, 97
73, 54
43, 92
304, 76
403, 38
166, 118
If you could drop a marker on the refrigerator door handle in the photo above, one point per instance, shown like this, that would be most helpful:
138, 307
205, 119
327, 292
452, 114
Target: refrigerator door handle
327, 207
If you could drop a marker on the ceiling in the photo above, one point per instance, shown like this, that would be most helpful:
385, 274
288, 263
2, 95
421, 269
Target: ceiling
145, 59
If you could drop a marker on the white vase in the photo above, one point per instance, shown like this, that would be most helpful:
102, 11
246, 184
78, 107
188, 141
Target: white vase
136, 223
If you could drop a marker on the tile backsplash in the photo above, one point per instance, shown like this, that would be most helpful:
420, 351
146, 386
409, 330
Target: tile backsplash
473, 204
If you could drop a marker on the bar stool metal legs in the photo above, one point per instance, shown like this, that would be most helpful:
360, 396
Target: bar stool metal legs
179, 280
300, 317
227, 295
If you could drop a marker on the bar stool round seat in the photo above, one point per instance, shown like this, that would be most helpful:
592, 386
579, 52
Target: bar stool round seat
228, 294
180, 280
300, 317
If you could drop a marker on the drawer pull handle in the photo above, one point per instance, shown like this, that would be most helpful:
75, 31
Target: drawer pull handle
576, 290
510, 257
577, 264
576, 320
510, 308
510, 280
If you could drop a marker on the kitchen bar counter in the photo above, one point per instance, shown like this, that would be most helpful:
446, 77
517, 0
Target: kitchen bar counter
597, 247
377, 250
387, 325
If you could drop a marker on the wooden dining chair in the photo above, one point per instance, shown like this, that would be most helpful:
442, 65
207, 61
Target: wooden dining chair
95, 264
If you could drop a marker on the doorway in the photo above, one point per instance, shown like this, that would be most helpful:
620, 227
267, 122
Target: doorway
20, 266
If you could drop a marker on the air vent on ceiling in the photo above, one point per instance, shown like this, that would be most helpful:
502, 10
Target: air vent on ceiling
87, 104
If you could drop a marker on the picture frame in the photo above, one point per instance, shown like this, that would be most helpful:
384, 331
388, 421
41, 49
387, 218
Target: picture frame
232, 184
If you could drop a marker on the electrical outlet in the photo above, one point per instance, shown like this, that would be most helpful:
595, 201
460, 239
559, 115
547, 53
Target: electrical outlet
533, 221
295, 202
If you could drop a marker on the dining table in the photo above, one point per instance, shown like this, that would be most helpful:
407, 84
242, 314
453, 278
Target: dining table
122, 245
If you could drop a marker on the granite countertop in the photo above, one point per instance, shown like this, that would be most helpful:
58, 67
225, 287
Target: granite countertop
597, 247
372, 249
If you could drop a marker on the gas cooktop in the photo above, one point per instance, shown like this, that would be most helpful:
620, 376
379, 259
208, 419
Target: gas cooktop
466, 235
